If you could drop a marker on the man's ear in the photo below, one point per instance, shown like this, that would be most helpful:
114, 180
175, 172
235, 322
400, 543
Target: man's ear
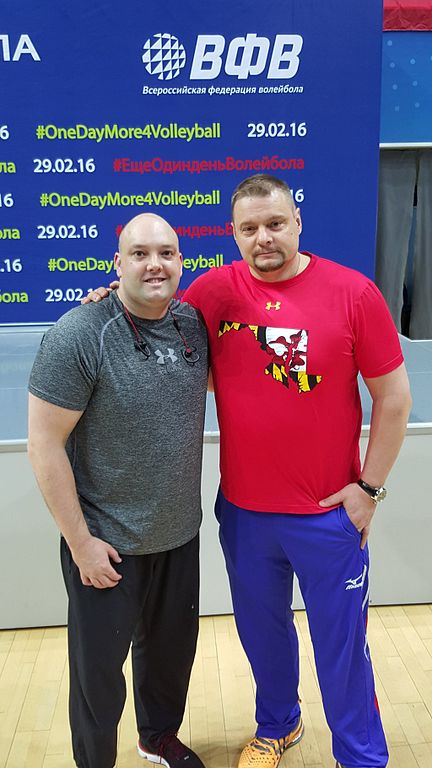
234, 232
117, 264
297, 217
181, 263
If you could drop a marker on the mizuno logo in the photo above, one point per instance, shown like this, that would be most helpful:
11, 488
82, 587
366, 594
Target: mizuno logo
358, 582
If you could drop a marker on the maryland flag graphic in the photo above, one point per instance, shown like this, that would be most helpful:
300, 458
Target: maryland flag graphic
287, 348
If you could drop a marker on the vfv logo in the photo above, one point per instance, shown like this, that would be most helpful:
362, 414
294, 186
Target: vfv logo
164, 56
242, 57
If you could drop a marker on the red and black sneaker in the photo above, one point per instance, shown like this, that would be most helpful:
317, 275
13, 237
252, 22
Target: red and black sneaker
170, 752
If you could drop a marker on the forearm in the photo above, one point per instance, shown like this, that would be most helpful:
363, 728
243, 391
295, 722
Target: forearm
391, 406
387, 431
55, 478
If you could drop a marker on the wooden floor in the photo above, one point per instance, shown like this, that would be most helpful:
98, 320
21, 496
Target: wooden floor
219, 719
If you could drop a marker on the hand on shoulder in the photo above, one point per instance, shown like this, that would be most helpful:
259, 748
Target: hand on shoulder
100, 293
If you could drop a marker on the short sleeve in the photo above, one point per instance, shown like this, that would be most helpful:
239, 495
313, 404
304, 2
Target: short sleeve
66, 365
377, 348
195, 294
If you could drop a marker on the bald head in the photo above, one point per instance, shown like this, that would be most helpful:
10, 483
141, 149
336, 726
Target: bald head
149, 265
146, 223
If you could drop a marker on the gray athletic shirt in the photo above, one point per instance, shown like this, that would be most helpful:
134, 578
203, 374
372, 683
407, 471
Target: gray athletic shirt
136, 451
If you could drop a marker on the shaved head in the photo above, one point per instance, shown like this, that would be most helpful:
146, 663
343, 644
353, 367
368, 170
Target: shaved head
149, 265
138, 222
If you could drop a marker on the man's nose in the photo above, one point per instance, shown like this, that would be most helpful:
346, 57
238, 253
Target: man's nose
153, 263
264, 234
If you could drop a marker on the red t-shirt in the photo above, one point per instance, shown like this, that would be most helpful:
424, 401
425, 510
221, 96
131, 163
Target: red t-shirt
285, 358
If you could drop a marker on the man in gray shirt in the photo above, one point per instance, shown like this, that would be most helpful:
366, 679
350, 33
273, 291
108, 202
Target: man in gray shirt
116, 417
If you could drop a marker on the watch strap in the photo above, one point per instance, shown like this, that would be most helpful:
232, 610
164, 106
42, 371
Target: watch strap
376, 493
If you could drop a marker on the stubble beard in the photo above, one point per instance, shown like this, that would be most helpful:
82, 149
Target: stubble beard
271, 264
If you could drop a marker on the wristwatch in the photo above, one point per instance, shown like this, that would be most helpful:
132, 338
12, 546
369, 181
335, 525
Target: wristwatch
376, 494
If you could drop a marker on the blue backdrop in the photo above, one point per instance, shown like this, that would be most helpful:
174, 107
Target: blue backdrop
109, 108
406, 114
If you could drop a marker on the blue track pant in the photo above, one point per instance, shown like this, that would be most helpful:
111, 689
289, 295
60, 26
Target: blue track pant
262, 551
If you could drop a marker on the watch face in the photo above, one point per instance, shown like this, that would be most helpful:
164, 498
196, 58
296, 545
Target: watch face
381, 494
376, 494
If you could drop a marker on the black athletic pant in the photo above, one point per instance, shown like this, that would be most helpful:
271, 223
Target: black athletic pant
155, 605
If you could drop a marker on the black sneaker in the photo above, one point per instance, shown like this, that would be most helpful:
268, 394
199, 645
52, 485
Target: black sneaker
171, 752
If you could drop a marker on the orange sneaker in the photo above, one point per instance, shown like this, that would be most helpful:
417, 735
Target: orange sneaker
266, 753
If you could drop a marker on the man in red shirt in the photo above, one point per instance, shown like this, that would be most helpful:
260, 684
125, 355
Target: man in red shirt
288, 333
